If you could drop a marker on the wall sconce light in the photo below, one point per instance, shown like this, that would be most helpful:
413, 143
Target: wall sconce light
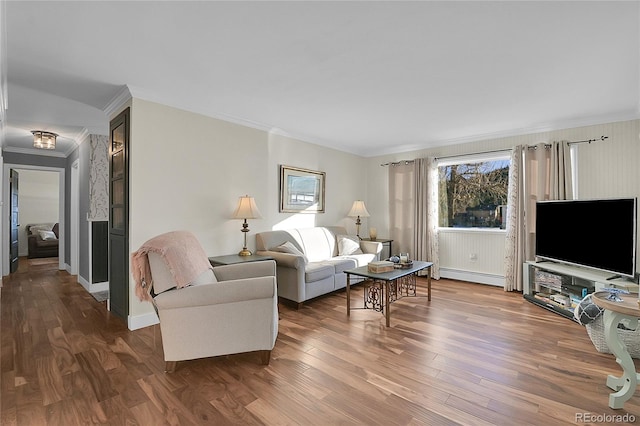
246, 209
44, 140
358, 210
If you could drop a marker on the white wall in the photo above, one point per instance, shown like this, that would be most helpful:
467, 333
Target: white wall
344, 183
38, 201
605, 169
611, 168
187, 172
472, 250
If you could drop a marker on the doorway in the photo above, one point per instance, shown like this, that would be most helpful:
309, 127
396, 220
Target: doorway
14, 221
60, 172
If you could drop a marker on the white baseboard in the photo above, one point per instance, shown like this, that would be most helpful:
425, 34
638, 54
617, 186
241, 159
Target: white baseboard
474, 277
103, 286
141, 321
84, 283
95, 287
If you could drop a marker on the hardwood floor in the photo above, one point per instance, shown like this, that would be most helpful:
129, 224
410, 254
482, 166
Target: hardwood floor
474, 355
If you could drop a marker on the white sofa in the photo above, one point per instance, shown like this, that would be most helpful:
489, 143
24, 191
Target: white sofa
310, 261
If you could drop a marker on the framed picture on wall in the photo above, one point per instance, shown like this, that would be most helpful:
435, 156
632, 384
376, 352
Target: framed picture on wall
301, 190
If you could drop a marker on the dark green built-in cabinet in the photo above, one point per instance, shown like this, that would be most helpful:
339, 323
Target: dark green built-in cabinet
99, 252
119, 215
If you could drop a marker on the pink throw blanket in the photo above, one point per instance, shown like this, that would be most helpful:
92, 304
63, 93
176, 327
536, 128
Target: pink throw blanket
183, 254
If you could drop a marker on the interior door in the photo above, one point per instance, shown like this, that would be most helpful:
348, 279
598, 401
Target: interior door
119, 215
14, 224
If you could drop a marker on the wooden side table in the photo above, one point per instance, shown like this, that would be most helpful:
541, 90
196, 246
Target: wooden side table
231, 259
625, 385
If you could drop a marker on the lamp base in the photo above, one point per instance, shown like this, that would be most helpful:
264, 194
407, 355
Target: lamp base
245, 252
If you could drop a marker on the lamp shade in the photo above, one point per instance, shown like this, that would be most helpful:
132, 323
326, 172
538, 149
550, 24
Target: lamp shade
247, 209
358, 209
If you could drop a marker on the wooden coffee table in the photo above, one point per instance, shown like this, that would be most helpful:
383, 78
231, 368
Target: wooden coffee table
387, 287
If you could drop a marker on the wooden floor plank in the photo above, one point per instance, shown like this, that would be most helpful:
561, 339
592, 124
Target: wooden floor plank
473, 355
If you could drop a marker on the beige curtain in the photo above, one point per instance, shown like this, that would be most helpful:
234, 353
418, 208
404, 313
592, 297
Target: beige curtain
413, 216
514, 250
426, 213
537, 173
402, 206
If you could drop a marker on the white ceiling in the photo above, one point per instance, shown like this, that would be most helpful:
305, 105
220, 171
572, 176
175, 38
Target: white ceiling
364, 77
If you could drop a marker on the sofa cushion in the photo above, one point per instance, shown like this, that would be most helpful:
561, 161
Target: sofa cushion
361, 259
316, 271
288, 247
348, 244
318, 243
341, 264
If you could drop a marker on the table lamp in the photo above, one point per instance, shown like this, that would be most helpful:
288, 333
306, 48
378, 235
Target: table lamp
246, 209
358, 210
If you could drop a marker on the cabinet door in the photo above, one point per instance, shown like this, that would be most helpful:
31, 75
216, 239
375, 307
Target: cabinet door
99, 252
119, 215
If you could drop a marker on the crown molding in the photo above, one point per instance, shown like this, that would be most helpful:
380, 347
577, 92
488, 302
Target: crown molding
144, 95
33, 151
118, 101
542, 128
81, 137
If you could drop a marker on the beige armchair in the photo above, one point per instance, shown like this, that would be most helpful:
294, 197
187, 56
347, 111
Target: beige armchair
227, 310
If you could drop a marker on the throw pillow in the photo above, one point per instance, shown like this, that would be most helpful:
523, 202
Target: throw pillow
348, 244
34, 229
288, 247
47, 235
587, 311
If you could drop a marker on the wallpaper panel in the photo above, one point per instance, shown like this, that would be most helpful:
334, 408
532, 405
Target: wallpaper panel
99, 178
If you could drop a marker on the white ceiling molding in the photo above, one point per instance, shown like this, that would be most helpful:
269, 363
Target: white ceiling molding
81, 137
145, 95
549, 127
34, 151
117, 102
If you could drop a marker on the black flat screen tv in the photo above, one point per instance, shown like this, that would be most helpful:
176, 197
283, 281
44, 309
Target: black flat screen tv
599, 234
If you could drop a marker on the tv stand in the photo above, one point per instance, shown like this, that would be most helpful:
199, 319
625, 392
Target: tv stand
615, 277
559, 287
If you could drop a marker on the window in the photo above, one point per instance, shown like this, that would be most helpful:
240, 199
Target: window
472, 191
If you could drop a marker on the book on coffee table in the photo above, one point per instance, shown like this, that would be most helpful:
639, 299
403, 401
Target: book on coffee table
380, 266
